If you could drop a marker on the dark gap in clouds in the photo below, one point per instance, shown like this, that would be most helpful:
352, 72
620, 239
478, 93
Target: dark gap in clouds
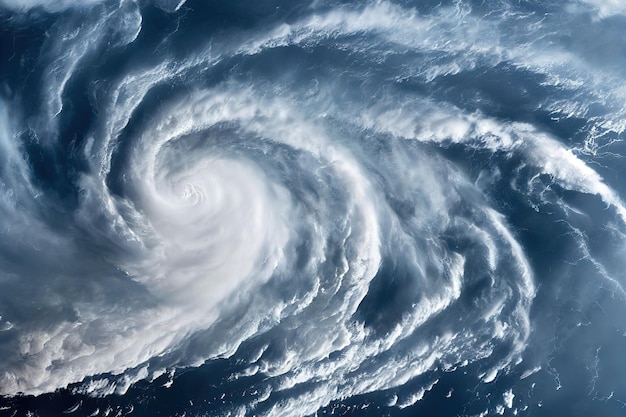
391, 294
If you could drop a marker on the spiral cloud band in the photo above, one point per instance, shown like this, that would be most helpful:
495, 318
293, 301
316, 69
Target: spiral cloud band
386, 207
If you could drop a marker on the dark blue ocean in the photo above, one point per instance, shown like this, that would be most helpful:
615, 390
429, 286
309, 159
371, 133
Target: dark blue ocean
285, 208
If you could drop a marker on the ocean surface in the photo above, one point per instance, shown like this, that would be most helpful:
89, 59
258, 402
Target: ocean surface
286, 208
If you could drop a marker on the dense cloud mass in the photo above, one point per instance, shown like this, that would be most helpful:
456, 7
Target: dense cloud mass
290, 209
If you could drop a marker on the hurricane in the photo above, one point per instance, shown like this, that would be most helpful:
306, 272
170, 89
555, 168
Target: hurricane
285, 208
